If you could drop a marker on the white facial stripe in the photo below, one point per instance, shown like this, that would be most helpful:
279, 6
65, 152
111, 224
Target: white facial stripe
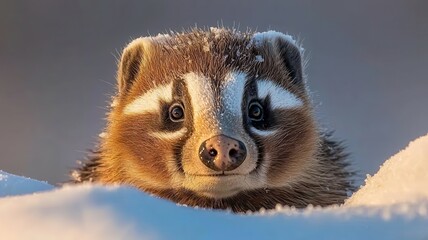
233, 93
149, 101
169, 135
263, 133
201, 94
280, 97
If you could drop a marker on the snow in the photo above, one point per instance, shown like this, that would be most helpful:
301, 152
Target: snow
11, 185
393, 204
114, 103
259, 58
206, 47
162, 36
218, 32
103, 135
401, 179
260, 37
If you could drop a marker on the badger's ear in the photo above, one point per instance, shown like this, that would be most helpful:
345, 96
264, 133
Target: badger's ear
130, 63
291, 56
287, 51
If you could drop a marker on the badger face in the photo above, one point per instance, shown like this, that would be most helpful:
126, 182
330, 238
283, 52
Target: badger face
214, 114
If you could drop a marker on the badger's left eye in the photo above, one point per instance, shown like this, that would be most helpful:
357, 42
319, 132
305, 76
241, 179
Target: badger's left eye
176, 112
255, 111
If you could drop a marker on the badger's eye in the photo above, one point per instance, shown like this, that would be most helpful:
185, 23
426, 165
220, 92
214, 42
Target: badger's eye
255, 111
176, 112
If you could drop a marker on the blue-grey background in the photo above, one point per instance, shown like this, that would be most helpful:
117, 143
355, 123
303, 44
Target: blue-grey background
367, 69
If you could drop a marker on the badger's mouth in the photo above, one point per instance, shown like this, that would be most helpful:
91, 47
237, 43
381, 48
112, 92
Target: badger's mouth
219, 185
223, 174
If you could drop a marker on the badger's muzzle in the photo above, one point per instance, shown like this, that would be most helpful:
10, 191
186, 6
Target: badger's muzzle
222, 153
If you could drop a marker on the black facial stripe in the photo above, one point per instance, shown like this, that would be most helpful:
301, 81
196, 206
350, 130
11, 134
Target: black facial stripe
178, 88
260, 152
180, 93
178, 96
251, 89
268, 120
251, 94
269, 116
178, 152
259, 146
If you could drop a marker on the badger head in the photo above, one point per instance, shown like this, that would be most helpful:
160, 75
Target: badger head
212, 114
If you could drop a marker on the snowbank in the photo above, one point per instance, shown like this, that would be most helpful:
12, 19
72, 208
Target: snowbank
14, 185
401, 179
392, 205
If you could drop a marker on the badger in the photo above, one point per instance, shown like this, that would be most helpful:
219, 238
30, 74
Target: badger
220, 119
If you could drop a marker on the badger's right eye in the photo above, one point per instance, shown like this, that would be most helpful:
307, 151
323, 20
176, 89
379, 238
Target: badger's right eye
176, 112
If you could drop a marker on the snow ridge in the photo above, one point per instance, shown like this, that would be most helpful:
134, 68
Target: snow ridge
11, 185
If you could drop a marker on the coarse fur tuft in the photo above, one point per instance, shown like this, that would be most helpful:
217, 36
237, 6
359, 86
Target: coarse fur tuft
215, 75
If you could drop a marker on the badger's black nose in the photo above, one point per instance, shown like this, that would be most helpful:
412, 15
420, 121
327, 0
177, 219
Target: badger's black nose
222, 153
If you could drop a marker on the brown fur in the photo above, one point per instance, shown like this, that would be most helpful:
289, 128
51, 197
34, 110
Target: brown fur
303, 165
